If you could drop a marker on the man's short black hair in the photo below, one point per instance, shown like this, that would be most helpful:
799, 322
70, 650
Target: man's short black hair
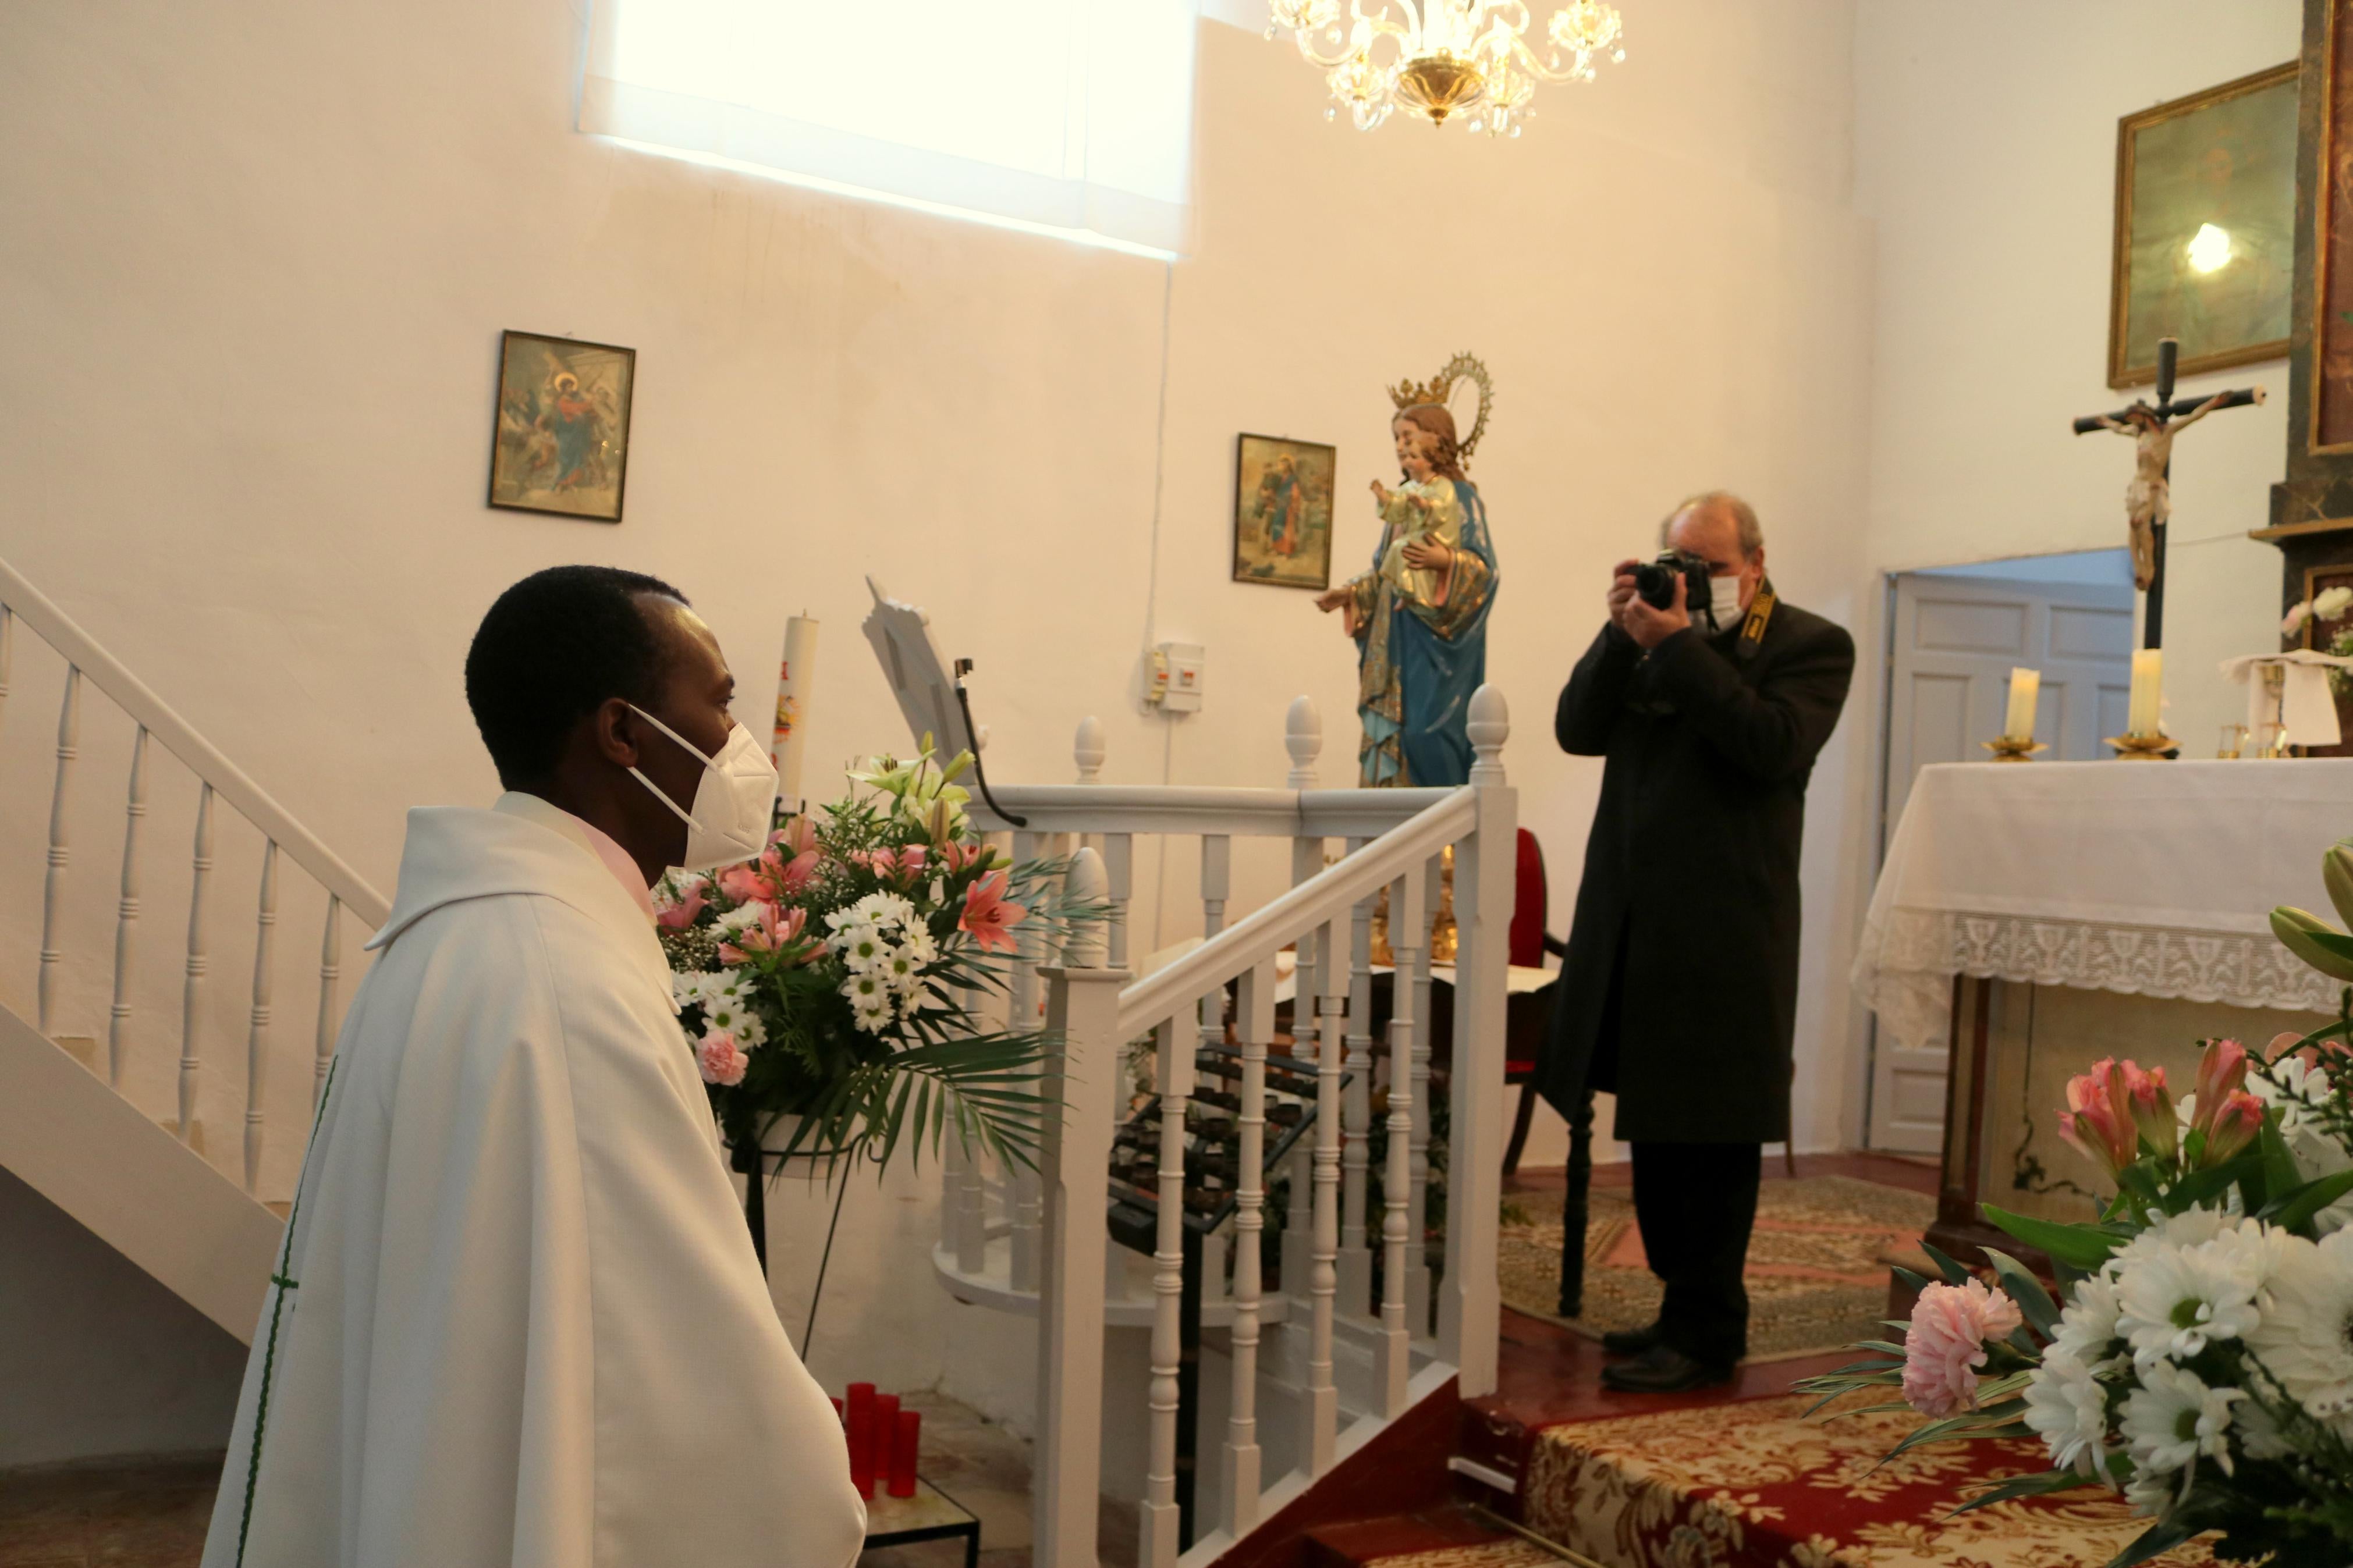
553, 649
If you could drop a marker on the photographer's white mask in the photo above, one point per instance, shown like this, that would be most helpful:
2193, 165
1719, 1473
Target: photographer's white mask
1723, 601
733, 803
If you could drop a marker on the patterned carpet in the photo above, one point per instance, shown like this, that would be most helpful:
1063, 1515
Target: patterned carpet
1754, 1485
1817, 1270
1512, 1553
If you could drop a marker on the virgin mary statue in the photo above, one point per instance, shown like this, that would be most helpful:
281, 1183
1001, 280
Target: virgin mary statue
1420, 615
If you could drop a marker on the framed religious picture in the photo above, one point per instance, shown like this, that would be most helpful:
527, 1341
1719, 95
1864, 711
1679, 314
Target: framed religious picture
1282, 512
560, 438
2205, 236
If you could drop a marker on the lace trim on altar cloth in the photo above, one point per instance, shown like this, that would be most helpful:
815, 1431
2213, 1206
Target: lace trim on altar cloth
1904, 967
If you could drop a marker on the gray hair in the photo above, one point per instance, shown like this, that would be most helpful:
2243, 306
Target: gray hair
1743, 519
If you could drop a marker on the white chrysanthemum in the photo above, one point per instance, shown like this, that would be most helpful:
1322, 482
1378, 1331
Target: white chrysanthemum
903, 970
2087, 1327
2173, 1301
739, 919
728, 984
2151, 1492
2294, 1089
2305, 1340
2186, 1229
867, 989
843, 918
735, 1018
689, 986
2069, 1411
887, 910
861, 947
918, 942
2173, 1417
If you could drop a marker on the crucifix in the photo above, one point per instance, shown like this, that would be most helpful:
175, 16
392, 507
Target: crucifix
2148, 501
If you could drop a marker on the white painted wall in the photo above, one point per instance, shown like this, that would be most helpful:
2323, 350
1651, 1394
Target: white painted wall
252, 280
96, 1357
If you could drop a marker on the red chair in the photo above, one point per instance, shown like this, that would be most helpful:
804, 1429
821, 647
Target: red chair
1527, 1026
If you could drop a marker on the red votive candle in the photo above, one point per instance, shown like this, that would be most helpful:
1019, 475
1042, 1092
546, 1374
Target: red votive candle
838, 1415
861, 1438
903, 1439
885, 1431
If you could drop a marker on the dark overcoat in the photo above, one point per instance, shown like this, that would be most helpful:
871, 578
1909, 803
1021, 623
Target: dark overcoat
1691, 874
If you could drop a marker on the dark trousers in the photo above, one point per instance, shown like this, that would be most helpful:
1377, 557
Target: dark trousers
1696, 1204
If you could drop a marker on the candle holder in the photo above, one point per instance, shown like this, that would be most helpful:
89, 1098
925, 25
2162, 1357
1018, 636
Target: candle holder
2013, 748
2159, 747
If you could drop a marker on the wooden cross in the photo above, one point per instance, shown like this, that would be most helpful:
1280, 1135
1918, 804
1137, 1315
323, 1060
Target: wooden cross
2150, 498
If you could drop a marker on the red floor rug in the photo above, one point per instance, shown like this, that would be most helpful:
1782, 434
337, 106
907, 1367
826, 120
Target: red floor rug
1755, 1485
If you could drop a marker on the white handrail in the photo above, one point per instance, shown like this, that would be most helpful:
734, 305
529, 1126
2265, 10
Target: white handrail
1259, 935
54, 627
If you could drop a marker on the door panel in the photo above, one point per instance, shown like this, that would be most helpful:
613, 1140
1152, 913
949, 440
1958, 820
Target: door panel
1953, 643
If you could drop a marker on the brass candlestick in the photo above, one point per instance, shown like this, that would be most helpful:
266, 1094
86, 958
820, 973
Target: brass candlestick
2159, 747
2013, 748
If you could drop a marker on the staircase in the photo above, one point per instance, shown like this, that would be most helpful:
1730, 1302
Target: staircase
105, 1080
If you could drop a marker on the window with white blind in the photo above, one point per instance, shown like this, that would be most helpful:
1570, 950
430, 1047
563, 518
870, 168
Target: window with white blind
1074, 116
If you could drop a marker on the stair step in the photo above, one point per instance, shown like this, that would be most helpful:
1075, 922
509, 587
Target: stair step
1447, 1528
83, 1048
282, 1207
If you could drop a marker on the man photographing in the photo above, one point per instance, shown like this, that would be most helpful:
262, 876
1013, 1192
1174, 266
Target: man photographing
1680, 990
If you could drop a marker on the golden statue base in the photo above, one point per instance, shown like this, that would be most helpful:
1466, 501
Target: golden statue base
1443, 939
2157, 748
2014, 748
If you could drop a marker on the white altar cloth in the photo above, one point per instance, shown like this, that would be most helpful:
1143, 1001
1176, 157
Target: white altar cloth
2157, 879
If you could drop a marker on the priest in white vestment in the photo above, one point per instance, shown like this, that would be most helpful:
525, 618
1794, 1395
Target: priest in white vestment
517, 1317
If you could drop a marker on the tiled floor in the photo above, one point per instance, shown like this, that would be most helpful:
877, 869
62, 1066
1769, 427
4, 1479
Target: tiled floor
152, 1514
149, 1514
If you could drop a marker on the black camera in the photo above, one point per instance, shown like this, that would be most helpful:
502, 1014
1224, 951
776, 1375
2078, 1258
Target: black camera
1654, 581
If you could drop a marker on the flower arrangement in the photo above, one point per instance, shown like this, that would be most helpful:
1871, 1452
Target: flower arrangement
2197, 1353
837, 978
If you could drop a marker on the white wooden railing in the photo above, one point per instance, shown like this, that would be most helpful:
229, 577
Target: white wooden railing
218, 782
1345, 1365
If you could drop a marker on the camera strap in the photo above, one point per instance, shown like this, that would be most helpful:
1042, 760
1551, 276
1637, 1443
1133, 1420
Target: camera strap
1752, 629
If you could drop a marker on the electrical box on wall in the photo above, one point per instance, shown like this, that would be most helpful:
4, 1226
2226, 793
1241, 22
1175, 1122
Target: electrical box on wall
1175, 677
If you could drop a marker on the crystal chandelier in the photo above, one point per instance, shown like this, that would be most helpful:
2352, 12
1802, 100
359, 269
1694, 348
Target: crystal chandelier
1445, 58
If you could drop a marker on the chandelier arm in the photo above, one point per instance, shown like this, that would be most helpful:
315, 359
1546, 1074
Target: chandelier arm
1537, 69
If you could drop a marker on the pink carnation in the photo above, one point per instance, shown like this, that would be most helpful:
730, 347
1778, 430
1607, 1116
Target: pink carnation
723, 1061
1947, 1344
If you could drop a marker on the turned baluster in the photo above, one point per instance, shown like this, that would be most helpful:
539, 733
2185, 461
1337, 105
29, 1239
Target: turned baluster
1330, 979
1161, 1519
257, 1035
53, 888
1416, 1257
126, 915
1217, 886
191, 993
1409, 930
1255, 1023
1357, 1114
330, 970
1027, 1194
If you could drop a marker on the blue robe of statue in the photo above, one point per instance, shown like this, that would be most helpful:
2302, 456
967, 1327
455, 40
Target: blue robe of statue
1419, 662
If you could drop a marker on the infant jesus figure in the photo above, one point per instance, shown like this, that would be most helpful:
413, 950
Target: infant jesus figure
1425, 512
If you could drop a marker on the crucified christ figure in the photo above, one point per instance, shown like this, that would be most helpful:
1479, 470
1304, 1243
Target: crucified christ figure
2148, 500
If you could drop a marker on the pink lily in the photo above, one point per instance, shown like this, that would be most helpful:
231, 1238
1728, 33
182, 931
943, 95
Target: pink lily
957, 856
902, 866
2098, 1119
988, 915
677, 912
2151, 1107
2222, 1073
2238, 1119
773, 933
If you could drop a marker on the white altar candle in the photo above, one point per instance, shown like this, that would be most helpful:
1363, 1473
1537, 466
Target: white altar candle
2147, 685
2023, 685
792, 708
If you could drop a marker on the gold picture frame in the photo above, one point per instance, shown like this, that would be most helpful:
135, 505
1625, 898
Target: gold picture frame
560, 430
2204, 245
1282, 512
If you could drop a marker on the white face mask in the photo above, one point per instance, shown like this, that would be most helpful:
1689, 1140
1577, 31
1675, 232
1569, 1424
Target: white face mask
1723, 601
732, 804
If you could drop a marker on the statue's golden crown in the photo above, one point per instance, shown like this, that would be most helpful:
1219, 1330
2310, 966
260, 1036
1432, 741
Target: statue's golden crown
1440, 388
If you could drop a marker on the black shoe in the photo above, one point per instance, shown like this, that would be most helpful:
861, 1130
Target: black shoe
1662, 1369
1630, 1341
